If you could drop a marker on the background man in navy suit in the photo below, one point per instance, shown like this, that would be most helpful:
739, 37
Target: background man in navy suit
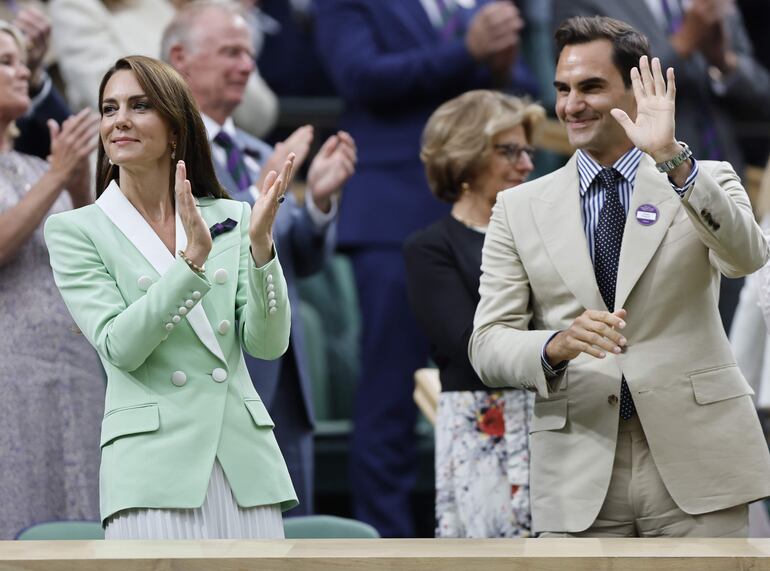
210, 44
393, 63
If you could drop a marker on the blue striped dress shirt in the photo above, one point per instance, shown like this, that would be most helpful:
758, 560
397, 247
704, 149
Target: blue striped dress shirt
592, 196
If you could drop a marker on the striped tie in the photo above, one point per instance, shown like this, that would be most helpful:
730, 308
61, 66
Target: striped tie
235, 163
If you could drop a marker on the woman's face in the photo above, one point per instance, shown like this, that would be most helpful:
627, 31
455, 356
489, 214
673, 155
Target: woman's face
14, 79
509, 164
132, 132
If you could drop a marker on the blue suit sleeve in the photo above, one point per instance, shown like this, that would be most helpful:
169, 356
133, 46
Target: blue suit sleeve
365, 73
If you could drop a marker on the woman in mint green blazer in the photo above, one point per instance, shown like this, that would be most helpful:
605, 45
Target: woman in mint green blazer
169, 280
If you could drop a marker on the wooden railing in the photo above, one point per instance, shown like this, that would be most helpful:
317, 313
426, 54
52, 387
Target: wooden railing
385, 554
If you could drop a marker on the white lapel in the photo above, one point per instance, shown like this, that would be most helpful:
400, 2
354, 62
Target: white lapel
135, 228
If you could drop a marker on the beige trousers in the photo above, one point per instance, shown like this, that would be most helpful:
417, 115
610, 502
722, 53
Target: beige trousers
638, 504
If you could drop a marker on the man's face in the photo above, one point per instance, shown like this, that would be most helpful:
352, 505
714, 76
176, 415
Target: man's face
218, 63
588, 86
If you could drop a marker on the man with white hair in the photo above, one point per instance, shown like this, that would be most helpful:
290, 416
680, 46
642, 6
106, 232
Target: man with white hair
211, 45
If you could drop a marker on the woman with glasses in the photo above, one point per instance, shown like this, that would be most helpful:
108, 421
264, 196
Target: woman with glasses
474, 146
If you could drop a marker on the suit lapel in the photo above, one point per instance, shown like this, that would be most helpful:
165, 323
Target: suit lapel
640, 242
559, 221
135, 228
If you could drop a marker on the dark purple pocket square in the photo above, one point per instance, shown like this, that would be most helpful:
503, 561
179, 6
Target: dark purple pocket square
222, 227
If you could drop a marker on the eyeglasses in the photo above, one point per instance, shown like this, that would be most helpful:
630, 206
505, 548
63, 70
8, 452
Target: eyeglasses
513, 152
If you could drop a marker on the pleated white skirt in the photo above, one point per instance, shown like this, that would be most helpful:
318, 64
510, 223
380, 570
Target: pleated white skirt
220, 517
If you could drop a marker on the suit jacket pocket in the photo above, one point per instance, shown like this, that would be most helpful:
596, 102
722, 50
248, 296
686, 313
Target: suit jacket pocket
549, 415
718, 384
259, 413
126, 420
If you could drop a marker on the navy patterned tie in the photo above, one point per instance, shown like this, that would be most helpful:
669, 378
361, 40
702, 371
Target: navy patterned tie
607, 242
235, 163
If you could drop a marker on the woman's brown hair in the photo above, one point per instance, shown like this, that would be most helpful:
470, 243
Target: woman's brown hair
169, 95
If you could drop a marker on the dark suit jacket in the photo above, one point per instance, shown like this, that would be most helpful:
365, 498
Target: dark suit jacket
747, 90
389, 64
443, 267
303, 249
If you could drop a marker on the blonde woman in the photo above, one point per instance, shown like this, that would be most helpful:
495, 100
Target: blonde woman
50, 377
474, 146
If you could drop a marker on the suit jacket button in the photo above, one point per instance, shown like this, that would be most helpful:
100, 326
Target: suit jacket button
144, 282
269, 278
224, 326
612, 399
178, 378
272, 310
220, 276
196, 295
219, 375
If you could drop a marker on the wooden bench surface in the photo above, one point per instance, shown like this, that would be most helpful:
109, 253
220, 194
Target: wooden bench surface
390, 554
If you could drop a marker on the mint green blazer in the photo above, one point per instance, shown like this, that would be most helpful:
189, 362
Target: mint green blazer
178, 392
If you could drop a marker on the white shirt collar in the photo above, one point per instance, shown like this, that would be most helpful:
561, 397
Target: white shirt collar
213, 128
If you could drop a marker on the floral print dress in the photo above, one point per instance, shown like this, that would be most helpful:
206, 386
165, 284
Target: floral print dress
482, 464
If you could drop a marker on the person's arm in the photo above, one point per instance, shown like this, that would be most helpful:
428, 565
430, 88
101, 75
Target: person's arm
125, 335
720, 211
715, 201
70, 147
746, 84
502, 349
262, 302
438, 296
348, 44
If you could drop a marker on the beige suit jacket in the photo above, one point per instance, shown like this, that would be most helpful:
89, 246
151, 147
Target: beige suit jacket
693, 402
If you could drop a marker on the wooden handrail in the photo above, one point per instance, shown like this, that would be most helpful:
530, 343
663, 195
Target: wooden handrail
401, 554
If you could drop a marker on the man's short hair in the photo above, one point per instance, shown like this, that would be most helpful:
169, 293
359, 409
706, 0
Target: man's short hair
628, 44
181, 28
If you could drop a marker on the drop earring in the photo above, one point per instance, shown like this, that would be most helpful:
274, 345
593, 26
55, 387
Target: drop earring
173, 150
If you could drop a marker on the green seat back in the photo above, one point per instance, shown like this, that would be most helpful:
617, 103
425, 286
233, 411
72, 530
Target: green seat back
56, 530
327, 527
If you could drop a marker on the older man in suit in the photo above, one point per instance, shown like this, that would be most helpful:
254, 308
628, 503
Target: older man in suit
599, 292
210, 44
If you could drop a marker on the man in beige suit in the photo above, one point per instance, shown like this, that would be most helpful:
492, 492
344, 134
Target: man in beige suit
599, 291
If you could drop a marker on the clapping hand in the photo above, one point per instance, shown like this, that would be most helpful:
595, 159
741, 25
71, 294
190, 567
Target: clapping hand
653, 129
298, 143
265, 209
331, 168
71, 144
198, 235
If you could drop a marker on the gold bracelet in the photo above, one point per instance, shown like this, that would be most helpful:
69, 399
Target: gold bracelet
193, 266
